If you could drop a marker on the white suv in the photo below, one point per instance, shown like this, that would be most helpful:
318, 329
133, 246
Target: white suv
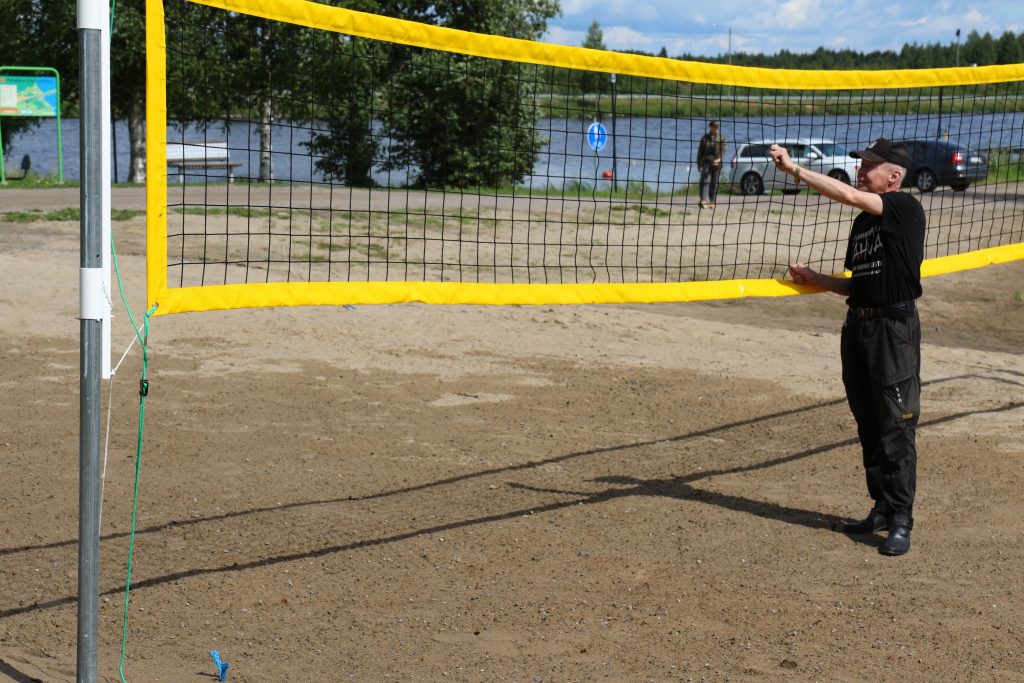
752, 172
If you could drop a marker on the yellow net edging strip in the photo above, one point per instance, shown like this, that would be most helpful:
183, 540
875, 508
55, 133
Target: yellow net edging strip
349, 22
208, 298
156, 155
314, 15
972, 259
187, 299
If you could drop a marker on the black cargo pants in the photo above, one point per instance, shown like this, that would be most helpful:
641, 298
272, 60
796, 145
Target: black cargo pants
881, 354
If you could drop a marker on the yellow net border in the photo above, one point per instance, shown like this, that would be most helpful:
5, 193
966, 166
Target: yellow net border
318, 16
338, 20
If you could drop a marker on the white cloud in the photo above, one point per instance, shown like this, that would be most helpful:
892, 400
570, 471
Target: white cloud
625, 38
580, 8
839, 42
637, 12
913, 22
560, 36
768, 26
796, 14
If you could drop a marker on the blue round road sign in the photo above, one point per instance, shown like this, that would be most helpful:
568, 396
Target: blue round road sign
597, 136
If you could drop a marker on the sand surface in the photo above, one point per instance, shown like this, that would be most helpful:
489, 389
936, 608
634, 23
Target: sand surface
614, 493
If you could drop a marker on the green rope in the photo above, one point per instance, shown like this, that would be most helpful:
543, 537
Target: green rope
143, 337
143, 391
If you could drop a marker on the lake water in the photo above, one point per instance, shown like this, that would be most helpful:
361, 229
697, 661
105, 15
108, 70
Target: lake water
656, 151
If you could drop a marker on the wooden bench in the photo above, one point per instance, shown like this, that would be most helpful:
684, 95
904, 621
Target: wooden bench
200, 155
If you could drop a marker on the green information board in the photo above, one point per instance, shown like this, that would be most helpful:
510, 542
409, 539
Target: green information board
28, 96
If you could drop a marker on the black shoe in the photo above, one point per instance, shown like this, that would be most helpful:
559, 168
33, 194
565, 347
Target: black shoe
875, 521
898, 542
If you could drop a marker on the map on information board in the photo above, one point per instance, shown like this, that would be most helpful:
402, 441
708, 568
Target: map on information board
28, 96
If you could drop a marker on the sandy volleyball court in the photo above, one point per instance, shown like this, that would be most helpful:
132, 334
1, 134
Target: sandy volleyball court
414, 493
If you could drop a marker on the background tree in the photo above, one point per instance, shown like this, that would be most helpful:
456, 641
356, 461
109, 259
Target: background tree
128, 81
459, 120
595, 37
1008, 49
462, 121
342, 86
979, 49
230, 69
39, 33
590, 81
45, 33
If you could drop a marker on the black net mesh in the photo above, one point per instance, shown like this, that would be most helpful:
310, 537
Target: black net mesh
299, 155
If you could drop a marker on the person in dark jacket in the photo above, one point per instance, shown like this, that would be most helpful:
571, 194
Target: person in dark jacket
710, 153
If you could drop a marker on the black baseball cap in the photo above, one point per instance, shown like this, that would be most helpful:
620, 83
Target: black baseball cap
885, 150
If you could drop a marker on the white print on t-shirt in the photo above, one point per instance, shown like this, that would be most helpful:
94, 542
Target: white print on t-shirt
869, 268
867, 243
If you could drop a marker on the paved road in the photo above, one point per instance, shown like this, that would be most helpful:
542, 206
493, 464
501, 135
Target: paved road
48, 199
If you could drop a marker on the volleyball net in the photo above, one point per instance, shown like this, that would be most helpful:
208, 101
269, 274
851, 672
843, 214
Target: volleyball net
304, 154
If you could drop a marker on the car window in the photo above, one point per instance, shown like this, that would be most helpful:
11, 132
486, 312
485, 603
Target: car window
832, 149
796, 151
755, 151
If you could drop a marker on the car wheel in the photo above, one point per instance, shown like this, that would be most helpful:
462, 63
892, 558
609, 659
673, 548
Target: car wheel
960, 187
751, 184
839, 175
925, 180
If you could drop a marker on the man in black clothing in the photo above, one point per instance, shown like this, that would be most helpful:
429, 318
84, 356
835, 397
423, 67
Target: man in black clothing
881, 340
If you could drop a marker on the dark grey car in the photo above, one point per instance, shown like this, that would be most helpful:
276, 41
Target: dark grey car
943, 162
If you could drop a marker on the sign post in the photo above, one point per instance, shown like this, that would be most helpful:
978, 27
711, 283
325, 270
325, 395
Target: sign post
31, 96
597, 136
615, 160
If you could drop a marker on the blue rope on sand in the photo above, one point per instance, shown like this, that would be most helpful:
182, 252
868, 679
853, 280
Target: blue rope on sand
222, 667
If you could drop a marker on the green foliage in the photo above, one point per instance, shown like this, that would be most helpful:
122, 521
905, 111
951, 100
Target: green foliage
38, 33
978, 49
35, 215
343, 85
69, 214
590, 81
35, 180
1004, 167
459, 120
595, 37
125, 214
462, 121
641, 97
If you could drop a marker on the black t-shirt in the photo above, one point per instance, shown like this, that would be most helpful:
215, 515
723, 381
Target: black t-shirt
885, 253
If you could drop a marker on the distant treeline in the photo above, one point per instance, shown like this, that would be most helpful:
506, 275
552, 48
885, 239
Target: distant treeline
977, 50
634, 97
565, 93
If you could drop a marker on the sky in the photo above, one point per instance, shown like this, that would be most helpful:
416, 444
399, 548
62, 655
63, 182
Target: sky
768, 26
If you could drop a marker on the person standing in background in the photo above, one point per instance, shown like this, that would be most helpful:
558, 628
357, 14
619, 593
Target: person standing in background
710, 153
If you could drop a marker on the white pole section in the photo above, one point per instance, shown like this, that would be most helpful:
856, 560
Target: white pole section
105, 183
